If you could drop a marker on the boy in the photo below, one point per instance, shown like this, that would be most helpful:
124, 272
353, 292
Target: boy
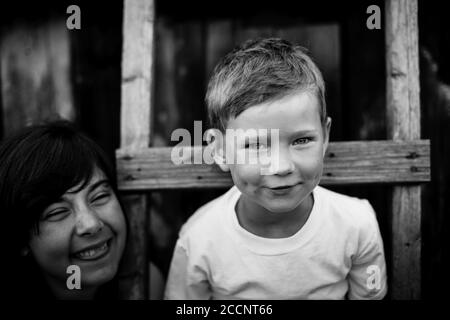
276, 234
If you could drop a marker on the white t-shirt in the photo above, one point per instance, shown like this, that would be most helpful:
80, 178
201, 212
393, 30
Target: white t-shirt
338, 253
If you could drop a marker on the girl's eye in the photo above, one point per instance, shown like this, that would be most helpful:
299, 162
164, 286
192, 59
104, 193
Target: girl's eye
101, 198
56, 215
302, 141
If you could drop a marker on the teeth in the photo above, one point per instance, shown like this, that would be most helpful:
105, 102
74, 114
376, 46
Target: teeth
92, 252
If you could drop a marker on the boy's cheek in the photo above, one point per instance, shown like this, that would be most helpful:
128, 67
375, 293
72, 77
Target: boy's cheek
313, 171
246, 173
312, 161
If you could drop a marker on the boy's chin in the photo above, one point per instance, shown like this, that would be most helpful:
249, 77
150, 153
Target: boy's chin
281, 208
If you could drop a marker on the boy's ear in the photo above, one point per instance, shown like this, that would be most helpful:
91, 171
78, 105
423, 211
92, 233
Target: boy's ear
216, 140
326, 135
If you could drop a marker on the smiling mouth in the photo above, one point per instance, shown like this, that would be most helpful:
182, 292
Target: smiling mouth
281, 188
94, 253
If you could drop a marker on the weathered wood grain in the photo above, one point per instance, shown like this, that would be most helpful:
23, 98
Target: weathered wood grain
35, 75
136, 111
137, 64
403, 116
355, 162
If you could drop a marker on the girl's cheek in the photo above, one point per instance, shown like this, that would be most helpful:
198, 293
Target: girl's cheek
55, 234
115, 217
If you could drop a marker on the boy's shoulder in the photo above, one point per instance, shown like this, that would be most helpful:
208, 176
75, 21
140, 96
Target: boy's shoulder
350, 210
209, 217
338, 198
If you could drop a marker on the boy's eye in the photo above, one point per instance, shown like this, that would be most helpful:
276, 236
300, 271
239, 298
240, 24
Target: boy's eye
256, 146
56, 215
301, 141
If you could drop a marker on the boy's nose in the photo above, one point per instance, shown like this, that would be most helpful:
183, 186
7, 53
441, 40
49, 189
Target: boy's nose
284, 165
88, 222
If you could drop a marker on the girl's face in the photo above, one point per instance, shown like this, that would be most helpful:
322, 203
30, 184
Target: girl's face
85, 228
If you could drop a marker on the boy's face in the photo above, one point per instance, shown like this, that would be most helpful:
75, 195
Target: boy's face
302, 145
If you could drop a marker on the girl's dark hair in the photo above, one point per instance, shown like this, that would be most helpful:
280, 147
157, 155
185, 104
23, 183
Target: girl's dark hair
37, 166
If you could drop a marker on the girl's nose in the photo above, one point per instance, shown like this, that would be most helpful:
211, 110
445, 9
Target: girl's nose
88, 222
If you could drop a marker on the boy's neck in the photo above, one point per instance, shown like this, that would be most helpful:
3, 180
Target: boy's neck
261, 222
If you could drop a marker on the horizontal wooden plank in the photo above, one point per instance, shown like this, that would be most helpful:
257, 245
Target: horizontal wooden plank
355, 162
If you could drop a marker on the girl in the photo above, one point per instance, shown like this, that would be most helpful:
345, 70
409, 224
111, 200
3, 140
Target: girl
65, 228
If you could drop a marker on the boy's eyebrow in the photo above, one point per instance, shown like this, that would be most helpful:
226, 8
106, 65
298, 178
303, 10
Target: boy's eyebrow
268, 136
255, 138
304, 132
263, 136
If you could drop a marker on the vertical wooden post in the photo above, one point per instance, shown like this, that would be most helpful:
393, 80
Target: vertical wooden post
137, 65
403, 116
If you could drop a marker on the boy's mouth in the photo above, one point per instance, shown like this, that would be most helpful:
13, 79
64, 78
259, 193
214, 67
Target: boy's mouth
281, 188
285, 187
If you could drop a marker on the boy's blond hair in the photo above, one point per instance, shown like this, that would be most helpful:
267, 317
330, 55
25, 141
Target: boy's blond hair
261, 71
